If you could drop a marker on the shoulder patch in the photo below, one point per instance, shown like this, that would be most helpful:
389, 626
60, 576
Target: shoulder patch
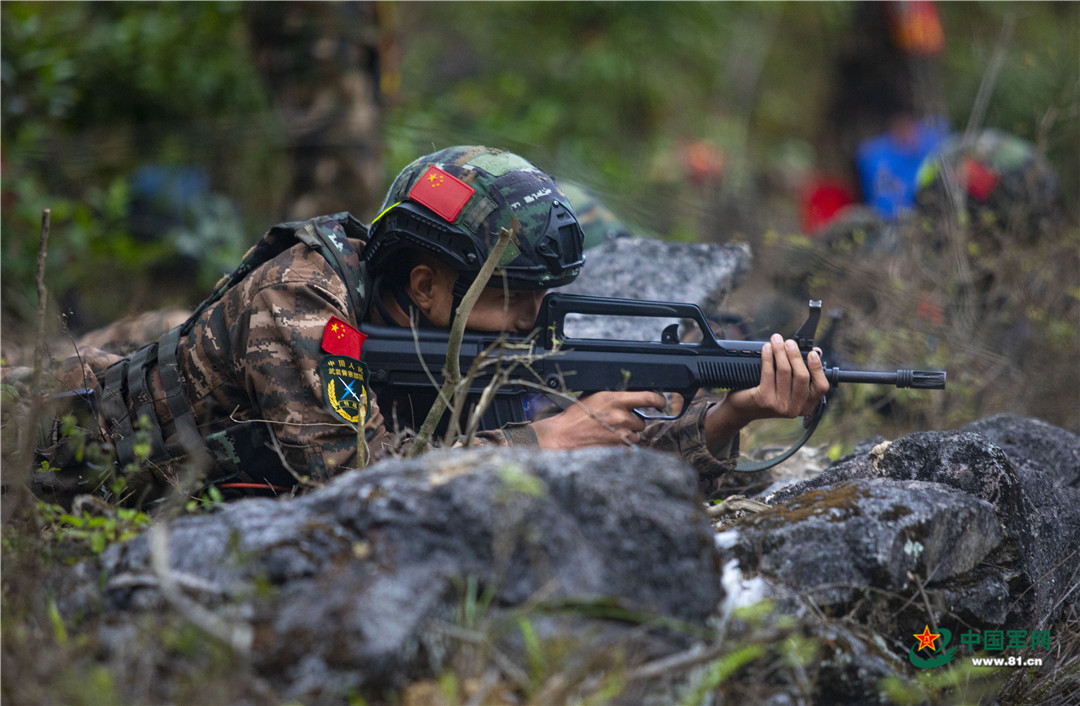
344, 382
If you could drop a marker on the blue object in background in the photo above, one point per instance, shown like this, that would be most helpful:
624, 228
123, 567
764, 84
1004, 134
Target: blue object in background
164, 198
887, 165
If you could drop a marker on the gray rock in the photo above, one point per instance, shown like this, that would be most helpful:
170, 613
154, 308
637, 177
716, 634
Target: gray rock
380, 578
656, 270
1034, 496
346, 588
1047, 460
1034, 445
836, 543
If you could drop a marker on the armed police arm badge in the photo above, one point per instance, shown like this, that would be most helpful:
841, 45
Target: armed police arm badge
343, 377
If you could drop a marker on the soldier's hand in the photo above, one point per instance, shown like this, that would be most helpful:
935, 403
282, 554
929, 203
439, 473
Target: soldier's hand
601, 419
789, 387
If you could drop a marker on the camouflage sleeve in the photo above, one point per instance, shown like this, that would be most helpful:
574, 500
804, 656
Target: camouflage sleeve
279, 355
132, 332
514, 434
685, 436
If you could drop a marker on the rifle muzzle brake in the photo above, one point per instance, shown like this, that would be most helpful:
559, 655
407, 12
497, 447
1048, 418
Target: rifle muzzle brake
921, 379
917, 379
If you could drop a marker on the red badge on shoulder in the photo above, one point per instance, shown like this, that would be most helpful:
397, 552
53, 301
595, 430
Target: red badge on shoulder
339, 338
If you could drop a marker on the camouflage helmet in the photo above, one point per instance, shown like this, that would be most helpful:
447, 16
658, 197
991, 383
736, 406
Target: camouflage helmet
1008, 188
599, 224
452, 204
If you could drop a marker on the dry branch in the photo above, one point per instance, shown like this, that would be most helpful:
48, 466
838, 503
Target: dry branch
452, 370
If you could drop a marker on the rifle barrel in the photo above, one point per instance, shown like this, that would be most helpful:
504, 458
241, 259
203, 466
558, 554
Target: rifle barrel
918, 379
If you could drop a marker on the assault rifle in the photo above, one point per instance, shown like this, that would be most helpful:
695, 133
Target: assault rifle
404, 361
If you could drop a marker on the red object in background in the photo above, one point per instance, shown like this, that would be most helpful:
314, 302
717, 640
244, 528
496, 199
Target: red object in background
980, 179
339, 338
930, 311
821, 201
916, 27
703, 162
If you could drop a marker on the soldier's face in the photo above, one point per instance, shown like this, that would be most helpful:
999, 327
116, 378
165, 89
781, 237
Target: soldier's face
496, 309
512, 310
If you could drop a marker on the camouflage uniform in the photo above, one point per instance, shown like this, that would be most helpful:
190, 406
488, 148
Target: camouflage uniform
247, 364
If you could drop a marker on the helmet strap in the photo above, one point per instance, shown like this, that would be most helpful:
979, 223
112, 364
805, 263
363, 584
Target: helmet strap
403, 300
461, 286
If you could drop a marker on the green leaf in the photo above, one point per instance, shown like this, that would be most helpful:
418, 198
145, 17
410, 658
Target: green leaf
59, 631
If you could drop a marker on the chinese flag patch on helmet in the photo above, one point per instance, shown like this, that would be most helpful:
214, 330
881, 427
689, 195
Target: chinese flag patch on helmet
444, 194
339, 338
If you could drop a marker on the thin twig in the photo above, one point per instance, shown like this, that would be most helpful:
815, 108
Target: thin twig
482, 640
284, 463
926, 600
188, 581
989, 80
697, 654
955, 185
415, 329
452, 369
37, 408
237, 635
43, 297
492, 355
461, 396
498, 380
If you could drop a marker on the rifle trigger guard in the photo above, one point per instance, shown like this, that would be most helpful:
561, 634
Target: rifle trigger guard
657, 418
686, 397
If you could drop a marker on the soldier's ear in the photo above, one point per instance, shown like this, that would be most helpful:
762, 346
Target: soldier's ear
422, 286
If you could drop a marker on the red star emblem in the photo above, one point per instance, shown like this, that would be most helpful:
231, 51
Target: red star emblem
927, 638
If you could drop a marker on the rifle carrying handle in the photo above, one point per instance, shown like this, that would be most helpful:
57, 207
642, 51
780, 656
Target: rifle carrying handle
557, 305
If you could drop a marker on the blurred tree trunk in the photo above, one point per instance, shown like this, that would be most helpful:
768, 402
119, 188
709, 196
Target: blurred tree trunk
323, 67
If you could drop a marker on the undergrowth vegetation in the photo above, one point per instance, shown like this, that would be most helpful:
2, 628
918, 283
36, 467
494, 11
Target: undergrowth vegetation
1002, 320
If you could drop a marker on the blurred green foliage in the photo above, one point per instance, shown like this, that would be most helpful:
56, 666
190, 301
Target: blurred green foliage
690, 120
613, 95
92, 91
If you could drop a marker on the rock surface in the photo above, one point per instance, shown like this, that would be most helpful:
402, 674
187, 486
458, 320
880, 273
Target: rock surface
836, 542
357, 577
1032, 491
383, 577
937, 528
650, 269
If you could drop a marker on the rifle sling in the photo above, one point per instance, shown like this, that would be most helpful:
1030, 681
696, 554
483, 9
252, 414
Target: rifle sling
811, 426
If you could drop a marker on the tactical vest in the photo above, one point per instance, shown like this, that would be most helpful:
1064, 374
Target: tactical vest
245, 451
